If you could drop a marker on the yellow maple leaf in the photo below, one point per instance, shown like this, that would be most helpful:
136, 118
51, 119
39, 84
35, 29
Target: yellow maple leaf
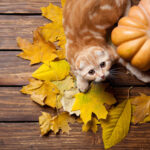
142, 108
52, 12
34, 84
54, 31
91, 125
59, 122
61, 54
45, 123
93, 102
63, 2
39, 51
57, 70
42, 93
116, 127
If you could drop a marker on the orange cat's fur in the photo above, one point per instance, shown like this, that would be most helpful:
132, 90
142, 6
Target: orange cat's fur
86, 23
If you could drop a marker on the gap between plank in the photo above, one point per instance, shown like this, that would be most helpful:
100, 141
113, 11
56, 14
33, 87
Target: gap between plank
18, 122
21, 14
10, 50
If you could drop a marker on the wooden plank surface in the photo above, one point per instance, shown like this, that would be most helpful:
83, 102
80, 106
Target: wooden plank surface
15, 106
26, 136
13, 26
16, 71
19, 115
22, 6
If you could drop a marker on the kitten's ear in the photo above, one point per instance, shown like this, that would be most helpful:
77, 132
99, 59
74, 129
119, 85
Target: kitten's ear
112, 52
80, 64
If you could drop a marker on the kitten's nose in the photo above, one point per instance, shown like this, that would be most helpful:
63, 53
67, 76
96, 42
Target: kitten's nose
103, 77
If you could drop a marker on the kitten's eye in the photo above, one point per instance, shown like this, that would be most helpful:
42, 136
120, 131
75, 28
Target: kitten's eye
103, 64
92, 72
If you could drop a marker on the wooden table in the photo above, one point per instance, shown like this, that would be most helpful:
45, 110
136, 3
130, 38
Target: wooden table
19, 127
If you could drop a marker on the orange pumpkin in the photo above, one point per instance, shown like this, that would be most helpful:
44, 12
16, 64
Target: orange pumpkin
132, 36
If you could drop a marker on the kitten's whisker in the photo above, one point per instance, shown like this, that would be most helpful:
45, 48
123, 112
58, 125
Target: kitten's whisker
116, 72
116, 69
112, 77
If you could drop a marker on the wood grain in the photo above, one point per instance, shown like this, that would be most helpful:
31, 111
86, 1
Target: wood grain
16, 71
17, 25
15, 106
22, 6
16, 136
20, 18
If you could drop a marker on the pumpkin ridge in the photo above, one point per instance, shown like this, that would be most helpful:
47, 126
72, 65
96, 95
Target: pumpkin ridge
137, 13
145, 13
134, 28
135, 52
134, 19
139, 36
137, 59
132, 36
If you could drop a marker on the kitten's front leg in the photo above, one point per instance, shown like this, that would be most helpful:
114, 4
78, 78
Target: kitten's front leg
82, 84
137, 73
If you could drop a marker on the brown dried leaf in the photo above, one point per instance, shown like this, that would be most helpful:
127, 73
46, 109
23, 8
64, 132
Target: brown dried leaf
142, 108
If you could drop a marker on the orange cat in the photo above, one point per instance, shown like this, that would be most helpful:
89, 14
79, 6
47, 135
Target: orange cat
86, 23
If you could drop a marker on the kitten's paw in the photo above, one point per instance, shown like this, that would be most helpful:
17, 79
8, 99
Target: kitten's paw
83, 87
82, 84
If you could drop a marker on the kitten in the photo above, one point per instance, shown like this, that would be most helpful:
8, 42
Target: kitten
86, 23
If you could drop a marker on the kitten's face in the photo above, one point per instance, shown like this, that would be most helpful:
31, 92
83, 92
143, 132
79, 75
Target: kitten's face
94, 65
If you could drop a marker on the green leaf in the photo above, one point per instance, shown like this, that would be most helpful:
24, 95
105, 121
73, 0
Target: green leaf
117, 125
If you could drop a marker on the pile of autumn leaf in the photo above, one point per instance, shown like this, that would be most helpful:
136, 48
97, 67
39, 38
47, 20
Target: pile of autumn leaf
53, 85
